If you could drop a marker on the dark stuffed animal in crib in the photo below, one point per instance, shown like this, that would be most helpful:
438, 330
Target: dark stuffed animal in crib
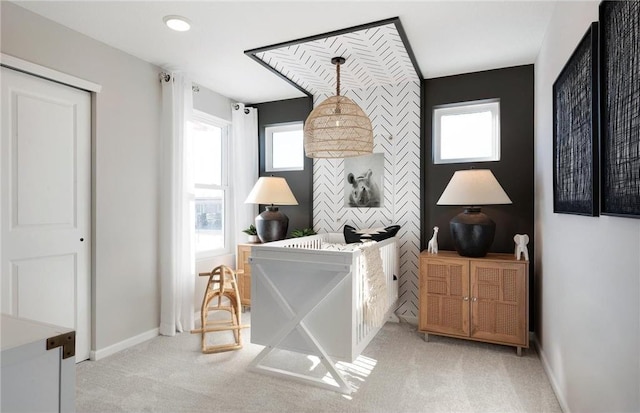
365, 192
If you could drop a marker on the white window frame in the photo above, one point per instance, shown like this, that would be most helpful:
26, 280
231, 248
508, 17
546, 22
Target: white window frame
225, 126
268, 135
464, 108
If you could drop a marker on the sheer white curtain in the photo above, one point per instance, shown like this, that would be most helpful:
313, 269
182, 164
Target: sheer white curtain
177, 215
245, 164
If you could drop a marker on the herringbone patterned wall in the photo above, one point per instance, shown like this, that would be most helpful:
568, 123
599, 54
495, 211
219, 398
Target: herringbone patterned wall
395, 115
375, 56
379, 76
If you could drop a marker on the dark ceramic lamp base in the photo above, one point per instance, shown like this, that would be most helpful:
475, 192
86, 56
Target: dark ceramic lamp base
272, 225
472, 232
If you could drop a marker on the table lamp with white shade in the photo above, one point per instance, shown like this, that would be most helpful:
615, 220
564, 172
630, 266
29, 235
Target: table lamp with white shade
472, 230
271, 224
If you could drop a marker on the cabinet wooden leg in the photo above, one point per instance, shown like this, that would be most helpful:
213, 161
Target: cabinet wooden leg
519, 351
426, 337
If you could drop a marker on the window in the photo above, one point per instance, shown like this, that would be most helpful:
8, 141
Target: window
284, 147
467, 132
208, 137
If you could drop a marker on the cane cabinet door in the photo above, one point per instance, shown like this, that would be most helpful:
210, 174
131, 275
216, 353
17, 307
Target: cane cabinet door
444, 292
498, 301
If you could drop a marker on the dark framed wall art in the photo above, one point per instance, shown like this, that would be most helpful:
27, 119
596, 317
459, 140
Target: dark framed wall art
620, 103
575, 130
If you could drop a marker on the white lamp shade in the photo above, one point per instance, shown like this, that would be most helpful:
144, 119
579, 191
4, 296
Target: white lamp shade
473, 187
271, 190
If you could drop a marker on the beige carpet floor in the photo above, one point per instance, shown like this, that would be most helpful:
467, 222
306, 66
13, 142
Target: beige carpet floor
397, 372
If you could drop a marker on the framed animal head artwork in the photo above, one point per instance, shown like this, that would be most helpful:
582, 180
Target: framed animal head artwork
364, 181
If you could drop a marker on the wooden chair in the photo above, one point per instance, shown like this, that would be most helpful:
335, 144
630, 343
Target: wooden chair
223, 283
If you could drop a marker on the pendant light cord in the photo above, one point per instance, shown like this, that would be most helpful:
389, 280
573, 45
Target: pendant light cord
338, 83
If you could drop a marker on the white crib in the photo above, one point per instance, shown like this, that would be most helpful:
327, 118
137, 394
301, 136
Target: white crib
313, 301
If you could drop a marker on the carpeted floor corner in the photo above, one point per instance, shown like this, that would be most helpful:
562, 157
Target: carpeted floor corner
397, 372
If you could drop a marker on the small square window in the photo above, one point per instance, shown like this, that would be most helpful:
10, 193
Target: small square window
467, 132
284, 147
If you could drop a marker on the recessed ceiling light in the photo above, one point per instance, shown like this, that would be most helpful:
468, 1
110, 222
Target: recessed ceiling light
177, 23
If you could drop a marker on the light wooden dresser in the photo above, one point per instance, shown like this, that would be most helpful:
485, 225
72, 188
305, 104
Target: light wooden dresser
244, 272
482, 299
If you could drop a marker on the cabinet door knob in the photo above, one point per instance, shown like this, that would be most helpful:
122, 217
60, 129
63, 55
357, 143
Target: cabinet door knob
474, 299
465, 298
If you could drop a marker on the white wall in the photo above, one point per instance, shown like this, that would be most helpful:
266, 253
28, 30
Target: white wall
125, 146
126, 116
588, 269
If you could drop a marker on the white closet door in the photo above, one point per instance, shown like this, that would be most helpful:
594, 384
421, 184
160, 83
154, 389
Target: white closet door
45, 204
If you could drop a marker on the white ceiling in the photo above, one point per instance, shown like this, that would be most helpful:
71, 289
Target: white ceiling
447, 37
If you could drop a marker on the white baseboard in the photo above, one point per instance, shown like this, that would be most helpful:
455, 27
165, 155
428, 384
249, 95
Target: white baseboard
130, 342
549, 372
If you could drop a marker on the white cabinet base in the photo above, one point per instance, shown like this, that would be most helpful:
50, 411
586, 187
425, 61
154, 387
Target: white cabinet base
35, 379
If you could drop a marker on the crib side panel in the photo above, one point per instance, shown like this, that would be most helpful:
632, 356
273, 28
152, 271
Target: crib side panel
363, 330
299, 276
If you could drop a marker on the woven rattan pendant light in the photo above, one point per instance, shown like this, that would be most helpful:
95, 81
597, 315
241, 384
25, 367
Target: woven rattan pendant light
337, 127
